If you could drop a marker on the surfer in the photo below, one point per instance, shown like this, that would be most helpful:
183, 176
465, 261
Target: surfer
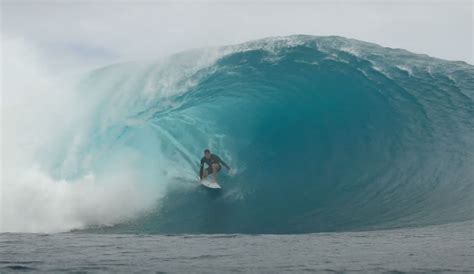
214, 165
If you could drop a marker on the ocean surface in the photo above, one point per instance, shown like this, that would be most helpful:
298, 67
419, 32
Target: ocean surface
430, 249
345, 156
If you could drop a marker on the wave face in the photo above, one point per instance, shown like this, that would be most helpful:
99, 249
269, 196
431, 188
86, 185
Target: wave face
324, 133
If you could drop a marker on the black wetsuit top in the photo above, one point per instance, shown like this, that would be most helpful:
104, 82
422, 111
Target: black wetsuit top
213, 160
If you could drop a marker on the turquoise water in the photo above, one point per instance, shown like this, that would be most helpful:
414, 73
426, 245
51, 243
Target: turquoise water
324, 133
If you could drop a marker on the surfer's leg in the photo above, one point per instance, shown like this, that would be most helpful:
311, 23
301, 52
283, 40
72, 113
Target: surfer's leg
215, 169
207, 171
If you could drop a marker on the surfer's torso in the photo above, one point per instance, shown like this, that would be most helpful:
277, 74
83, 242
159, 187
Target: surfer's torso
214, 159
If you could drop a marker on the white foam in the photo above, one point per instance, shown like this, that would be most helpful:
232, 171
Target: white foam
36, 109
406, 69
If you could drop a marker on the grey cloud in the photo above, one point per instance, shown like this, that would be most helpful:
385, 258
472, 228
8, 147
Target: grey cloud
147, 30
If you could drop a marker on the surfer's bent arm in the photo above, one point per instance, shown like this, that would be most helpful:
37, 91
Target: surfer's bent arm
202, 167
224, 164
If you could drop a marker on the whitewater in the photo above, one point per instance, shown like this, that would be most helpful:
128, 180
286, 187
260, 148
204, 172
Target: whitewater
332, 140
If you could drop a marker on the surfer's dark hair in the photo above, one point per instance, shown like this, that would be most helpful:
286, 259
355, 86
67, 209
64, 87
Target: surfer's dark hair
207, 150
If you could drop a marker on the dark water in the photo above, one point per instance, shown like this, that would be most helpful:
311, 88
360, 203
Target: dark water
444, 248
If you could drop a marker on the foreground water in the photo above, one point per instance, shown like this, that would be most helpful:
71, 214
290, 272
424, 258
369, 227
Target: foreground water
443, 248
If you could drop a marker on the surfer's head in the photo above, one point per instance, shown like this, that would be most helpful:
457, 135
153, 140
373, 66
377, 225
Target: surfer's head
207, 153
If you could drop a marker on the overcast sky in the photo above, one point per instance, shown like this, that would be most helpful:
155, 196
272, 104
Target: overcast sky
101, 32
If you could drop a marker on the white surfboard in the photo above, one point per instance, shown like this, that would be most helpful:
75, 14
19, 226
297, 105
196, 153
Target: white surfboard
210, 184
